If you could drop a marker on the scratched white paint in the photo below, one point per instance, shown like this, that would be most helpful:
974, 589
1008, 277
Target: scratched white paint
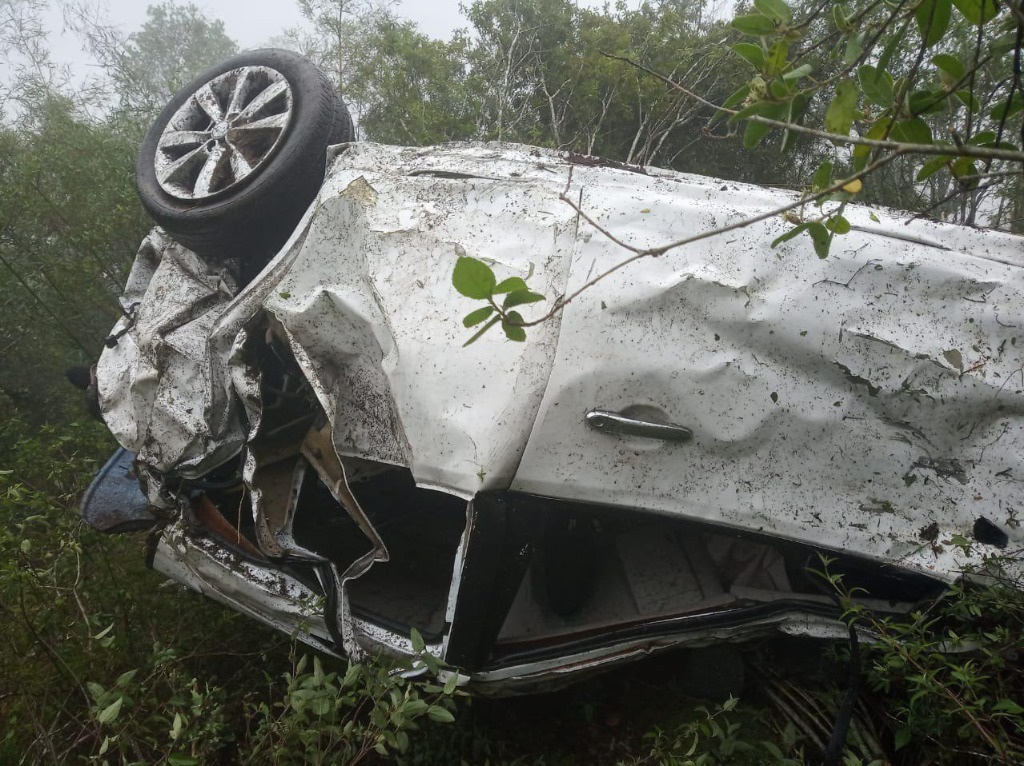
851, 402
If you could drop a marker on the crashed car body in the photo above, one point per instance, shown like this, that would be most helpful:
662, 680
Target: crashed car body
662, 463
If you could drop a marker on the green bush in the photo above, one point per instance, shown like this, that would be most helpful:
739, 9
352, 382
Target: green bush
949, 679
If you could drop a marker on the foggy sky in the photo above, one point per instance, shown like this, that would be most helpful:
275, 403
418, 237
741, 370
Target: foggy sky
251, 23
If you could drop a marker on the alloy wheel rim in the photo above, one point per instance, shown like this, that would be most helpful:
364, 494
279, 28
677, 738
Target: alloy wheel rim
224, 134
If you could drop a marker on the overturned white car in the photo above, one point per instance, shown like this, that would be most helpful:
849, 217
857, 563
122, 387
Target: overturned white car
660, 464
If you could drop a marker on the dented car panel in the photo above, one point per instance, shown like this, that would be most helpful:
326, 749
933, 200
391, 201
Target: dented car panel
852, 401
868, 404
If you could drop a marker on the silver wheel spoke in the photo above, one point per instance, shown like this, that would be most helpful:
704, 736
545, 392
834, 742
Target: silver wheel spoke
255, 106
172, 172
240, 167
273, 122
204, 182
183, 138
240, 92
209, 103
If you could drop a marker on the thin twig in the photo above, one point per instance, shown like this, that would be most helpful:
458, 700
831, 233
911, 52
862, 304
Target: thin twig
651, 252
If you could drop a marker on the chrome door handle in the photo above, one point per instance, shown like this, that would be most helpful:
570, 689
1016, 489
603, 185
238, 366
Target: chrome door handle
608, 422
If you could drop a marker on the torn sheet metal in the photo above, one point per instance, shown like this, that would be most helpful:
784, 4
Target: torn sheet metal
157, 390
268, 595
860, 402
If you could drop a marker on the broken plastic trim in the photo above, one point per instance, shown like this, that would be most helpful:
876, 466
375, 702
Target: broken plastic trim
114, 503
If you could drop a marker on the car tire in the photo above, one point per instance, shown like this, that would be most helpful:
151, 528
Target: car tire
237, 156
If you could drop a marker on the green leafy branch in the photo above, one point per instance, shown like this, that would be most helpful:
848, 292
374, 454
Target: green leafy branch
475, 279
870, 91
950, 665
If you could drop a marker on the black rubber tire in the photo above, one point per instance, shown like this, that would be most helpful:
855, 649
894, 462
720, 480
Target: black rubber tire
252, 222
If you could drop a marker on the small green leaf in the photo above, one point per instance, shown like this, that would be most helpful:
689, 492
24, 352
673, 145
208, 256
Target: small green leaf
822, 176
977, 11
771, 109
877, 85
902, 738
796, 74
874, 217
1008, 706
891, 47
854, 48
509, 285
109, 713
473, 278
927, 102
837, 224
737, 97
968, 100
982, 138
775, 9
451, 684
951, 71
521, 297
839, 115
415, 707
125, 678
791, 234
780, 90
418, 644
512, 326
734, 100
962, 167
755, 131
476, 317
481, 331
931, 167
915, 131
933, 20
754, 25
988, 138
176, 759
797, 107
752, 53
438, 714
839, 17
177, 726
877, 132
777, 58
821, 237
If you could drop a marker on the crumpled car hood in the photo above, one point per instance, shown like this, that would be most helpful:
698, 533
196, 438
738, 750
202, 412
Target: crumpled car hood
870, 402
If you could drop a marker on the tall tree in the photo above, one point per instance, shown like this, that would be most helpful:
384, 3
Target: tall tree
69, 226
412, 89
339, 38
147, 67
